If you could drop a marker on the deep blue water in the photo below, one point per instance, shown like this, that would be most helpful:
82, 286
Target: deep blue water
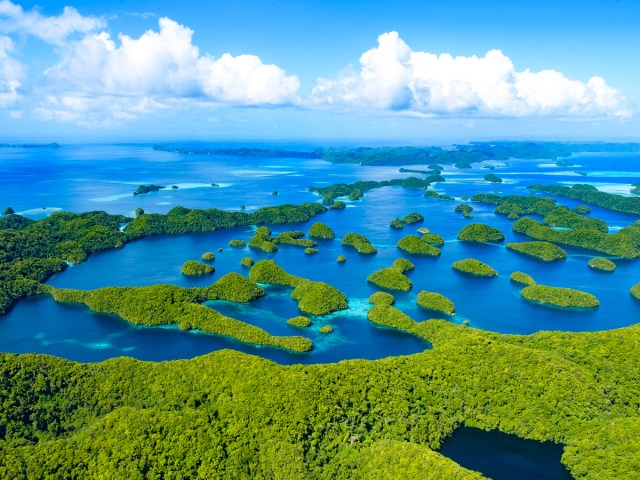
505, 457
82, 178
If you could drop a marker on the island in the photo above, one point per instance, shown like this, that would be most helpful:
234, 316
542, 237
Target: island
381, 298
299, 321
321, 230
191, 268
435, 302
142, 189
417, 246
315, 298
602, 264
208, 256
391, 279
545, 251
167, 305
359, 242
490, 177
481, 233
522, 278
559, 297
476, 268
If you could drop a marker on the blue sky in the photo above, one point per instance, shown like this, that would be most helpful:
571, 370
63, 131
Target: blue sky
374, 71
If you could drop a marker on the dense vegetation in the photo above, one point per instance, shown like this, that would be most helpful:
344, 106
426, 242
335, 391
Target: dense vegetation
417, 246
191, 267
237, 243
232, 415
310, 251
241, 152
246, 261
316, 298
391, 279
381, 298
553, 215
396, 223
355, 190
325, 329
545, 251
359, 242
263, 240
171, 305
479, 232
299, 321
559, 297
413, 217
619, 244
208, 256
295, 238
522, 278
433, 239
590, 194
30, 251
402, 265
436, 302
602, 264
465, 209
142, 189
490, 177
437, 196
321, 230
471, 266
183, 220
635, 291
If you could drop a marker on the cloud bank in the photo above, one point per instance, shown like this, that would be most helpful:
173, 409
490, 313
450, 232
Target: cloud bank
393, 77
99, 80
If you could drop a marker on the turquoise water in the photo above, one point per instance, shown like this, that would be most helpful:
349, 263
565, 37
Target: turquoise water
505, 457
81, 178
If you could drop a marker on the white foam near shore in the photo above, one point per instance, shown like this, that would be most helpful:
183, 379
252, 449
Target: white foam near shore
616, 188
259, 173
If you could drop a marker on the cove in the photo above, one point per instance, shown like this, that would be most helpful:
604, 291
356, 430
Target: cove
501, 456
40, 325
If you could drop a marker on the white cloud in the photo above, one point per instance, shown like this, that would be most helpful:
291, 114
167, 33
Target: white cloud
51, 29
11, 74
393, 77
164, 66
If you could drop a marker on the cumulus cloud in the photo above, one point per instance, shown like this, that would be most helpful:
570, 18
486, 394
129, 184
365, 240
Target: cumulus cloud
165, 63
392, 77
51, 29
11, 74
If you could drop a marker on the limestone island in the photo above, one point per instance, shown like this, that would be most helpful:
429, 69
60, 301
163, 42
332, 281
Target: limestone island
299, 321
359, 242
602, 264
471, 266
382, 298
479, 232
545, 251
171, 305
390, 278
522, 278
321, 230
417, 246
559, 297
192, 268
436, 302
142, 189
316, 298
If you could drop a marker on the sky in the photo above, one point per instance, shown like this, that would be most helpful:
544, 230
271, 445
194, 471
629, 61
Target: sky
383, 72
